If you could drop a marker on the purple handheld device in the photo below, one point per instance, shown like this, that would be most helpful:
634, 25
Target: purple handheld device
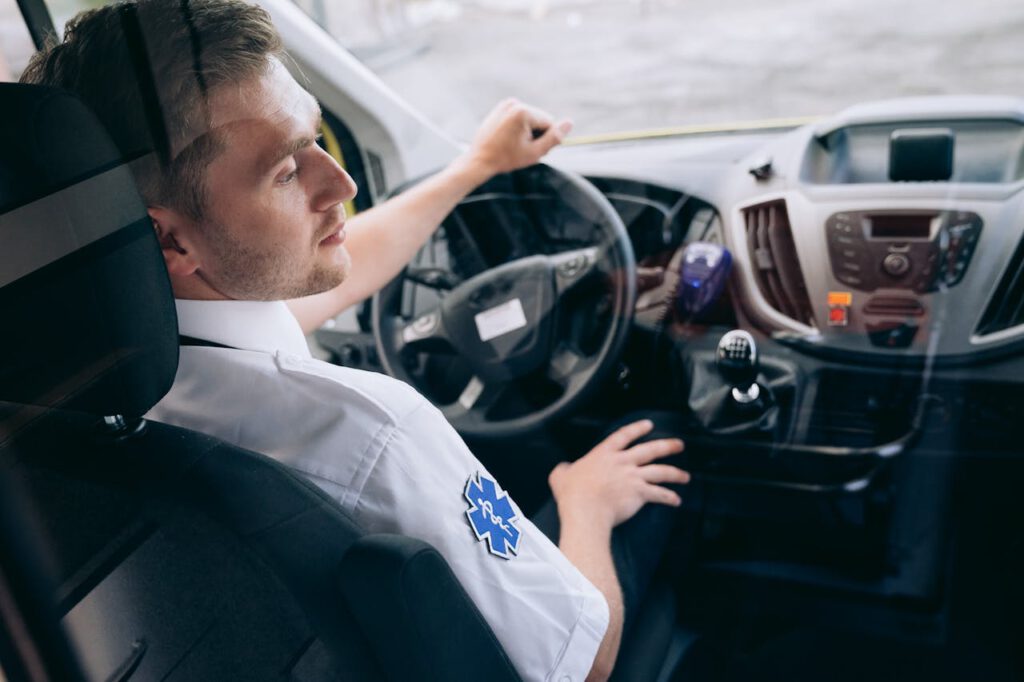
702, 277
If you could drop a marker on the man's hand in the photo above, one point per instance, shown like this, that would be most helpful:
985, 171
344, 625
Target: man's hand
506, 141
613, 481
599, 491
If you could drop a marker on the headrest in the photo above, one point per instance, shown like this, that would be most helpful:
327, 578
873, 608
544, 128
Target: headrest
87, 309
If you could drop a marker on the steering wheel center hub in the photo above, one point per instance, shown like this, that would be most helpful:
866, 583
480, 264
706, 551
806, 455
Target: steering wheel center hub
500, 320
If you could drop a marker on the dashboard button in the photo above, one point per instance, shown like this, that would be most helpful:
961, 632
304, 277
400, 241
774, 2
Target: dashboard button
896, 264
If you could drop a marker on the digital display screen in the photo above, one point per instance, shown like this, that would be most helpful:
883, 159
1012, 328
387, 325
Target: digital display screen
921, 155
900, 226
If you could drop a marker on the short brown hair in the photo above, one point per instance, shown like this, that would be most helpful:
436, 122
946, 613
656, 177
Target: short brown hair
146, 68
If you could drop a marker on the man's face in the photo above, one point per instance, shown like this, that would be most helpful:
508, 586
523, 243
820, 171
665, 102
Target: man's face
273, 222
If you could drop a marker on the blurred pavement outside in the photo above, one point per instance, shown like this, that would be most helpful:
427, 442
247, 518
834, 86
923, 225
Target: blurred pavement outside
616, 65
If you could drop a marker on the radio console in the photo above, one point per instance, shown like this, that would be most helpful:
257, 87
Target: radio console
914, 250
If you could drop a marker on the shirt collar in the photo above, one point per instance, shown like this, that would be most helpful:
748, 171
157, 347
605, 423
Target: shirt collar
266, 326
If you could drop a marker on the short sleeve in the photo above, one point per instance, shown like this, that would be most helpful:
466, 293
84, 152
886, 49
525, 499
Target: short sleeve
548, 617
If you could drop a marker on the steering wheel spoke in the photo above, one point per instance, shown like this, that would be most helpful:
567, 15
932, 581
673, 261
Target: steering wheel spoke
475, 398
568, 367
573, 267
427, 333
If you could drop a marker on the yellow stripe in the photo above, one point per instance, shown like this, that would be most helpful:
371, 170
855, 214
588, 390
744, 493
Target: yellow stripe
334, 149
766, 124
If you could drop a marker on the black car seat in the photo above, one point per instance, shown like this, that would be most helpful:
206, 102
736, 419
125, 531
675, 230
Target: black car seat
171, 555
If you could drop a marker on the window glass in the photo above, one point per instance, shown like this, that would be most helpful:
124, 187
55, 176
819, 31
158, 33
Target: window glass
16, 46
620, 65
15, 42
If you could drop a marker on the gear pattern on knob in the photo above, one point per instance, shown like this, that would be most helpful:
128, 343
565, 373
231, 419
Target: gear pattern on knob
737, 357
737, 348
738, 364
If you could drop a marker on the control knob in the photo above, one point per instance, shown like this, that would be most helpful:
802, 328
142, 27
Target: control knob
896, 264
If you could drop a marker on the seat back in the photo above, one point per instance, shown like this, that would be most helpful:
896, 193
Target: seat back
171, 555
184, 558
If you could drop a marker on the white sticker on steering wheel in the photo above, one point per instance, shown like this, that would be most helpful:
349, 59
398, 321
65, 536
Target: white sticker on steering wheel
501, 319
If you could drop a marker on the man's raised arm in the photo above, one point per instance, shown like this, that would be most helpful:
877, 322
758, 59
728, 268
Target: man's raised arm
383, 239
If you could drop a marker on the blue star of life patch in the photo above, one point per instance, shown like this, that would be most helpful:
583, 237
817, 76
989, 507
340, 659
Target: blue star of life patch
491, 516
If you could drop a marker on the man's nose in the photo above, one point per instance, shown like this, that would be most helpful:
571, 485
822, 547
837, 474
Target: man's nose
337, 185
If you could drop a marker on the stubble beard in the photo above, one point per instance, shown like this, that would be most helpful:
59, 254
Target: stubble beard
248, 274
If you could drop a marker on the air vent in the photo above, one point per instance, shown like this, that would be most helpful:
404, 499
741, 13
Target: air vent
1006, 308
773, 257
894, 306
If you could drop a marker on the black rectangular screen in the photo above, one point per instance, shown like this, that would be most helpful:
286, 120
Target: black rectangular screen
900, 226
921, 155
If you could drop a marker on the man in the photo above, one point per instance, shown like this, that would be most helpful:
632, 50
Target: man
248, 211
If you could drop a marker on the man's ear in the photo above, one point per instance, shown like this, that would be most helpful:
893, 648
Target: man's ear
173, 231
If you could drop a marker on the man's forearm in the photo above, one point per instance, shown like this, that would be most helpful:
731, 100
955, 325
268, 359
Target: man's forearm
383, 239
589, 550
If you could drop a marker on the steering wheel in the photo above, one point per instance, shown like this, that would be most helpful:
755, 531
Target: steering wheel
525, 333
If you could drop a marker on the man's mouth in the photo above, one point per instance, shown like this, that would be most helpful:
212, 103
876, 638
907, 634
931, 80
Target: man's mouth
334, 238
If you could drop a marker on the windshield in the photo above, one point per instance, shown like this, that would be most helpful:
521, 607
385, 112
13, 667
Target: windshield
625, 65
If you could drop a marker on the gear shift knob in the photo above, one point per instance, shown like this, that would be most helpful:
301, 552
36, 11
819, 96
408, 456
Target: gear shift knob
738, 364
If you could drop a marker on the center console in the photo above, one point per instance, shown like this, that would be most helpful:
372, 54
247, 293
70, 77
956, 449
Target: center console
796, 485
913, 250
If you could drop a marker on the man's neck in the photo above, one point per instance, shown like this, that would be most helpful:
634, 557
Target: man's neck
195, 288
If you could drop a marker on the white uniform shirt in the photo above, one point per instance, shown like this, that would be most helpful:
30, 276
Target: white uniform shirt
391, 459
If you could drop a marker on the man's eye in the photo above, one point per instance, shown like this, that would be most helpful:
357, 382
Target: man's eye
285, 179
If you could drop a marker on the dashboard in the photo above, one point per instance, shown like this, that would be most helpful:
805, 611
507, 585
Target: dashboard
836, 255
887, 236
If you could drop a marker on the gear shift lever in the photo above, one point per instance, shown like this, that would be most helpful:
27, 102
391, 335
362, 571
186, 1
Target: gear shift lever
738, 364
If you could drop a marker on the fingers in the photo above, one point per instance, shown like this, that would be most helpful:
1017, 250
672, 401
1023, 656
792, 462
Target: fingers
661, 495
622, 437
501, 108
664, 473
552, 133
515, 135
532, 118
536, 118
645, 453
552, 137
539, 122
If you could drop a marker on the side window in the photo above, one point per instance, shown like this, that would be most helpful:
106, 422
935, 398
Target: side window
15, 43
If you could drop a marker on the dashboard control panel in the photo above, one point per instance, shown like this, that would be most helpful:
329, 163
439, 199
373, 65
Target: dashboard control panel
913, 250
